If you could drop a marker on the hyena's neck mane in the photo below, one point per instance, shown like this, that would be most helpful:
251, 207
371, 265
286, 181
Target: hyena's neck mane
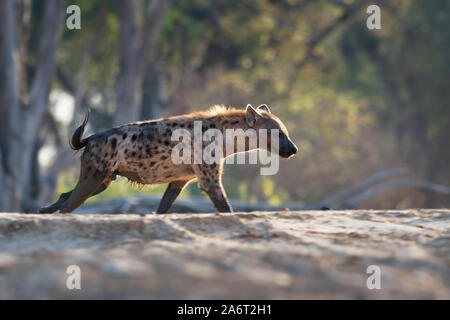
222, 117
217, 111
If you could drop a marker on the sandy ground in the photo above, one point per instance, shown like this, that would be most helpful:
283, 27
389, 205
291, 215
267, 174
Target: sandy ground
270, 255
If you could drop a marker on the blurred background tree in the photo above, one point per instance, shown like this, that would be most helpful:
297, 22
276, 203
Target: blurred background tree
356, 101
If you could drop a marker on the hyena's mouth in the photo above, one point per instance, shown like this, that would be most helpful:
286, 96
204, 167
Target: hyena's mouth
287, 156
290, 152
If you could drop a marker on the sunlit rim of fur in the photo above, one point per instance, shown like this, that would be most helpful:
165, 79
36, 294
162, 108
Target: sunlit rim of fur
217, 110
220, 109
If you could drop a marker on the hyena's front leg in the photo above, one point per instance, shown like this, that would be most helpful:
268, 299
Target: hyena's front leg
173, 190
210, 181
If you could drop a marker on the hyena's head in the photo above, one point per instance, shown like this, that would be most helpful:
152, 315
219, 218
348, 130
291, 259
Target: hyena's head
262, 118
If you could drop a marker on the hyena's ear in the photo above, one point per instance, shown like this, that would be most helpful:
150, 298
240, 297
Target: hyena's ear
263, 107
251, 115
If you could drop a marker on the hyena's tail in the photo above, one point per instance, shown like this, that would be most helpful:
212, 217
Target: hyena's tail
76, 143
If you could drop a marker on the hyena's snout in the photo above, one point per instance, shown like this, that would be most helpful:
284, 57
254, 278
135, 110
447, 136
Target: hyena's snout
287, 148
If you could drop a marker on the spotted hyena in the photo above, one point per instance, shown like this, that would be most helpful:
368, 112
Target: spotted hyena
141, 152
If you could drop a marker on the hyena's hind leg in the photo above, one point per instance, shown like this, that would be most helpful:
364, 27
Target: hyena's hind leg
57, 205
104, 185
86, 187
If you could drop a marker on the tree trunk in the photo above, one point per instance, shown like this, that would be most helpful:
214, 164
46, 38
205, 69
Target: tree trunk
40, 89
20, 125
152, 93
134, 49
8, 101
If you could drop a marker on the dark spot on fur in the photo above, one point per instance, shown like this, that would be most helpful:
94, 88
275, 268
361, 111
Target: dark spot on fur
152, 163
235, 122
113, 143
125, 151
133, 154
141, 135
163, 157
166, 143
124, 136
134, 137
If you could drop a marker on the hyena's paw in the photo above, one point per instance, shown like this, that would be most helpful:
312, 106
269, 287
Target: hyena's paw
46, 210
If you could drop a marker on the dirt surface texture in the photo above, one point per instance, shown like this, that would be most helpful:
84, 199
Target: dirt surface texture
252, 255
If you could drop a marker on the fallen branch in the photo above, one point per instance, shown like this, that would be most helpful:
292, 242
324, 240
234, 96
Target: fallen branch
353, 201
342, 195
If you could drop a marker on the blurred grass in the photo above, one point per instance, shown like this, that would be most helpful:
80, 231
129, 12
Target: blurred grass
121, 187
118, 189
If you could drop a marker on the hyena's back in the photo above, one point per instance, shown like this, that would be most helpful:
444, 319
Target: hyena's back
139, 151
